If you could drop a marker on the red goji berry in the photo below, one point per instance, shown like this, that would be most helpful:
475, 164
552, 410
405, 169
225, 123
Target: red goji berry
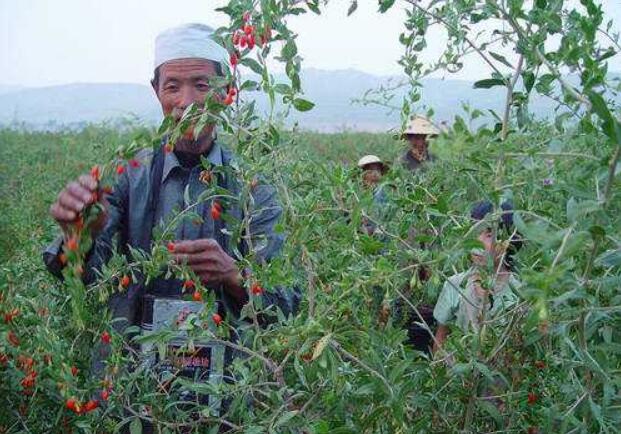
256, 289
73, 405
234, 59
105, 394
228, 100
72, 244
216, 210
170, 246
95, 172
12, 338
106, 338
120, 169
91, 405
10, 316
188, 284
248, 29
74, 371
125, 281
532, 398
217, 319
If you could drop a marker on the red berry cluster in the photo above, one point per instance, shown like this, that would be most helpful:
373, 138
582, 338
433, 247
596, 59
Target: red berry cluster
245, 36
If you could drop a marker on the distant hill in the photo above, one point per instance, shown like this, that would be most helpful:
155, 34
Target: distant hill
332, 91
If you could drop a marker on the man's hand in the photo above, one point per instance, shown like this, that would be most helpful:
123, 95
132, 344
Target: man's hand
71, 201
207, 259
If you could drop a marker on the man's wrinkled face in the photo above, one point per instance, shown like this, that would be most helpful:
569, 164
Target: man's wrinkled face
183, 82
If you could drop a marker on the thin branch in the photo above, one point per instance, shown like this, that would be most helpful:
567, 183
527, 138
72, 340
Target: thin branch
360, 363
449, 26
611, 175
509, 100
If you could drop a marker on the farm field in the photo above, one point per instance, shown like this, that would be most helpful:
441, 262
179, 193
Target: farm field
552, 366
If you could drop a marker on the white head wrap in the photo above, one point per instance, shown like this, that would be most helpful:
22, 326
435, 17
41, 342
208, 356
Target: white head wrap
188, 41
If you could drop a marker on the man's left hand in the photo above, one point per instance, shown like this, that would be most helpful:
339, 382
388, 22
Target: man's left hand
212, 264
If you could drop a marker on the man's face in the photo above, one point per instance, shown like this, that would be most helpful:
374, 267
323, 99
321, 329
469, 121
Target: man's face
372, 174
418, 142
183, 82
492, 250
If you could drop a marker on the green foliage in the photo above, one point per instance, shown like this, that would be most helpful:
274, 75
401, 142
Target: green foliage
345, 369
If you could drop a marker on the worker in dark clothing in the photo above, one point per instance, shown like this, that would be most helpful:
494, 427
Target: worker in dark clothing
418, 132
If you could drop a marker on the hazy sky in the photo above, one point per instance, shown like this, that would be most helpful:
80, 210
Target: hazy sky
45, 42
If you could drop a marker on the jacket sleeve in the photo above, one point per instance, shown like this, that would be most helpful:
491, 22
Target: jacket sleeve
104, 244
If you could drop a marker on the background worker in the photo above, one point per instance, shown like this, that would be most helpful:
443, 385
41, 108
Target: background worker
418, 132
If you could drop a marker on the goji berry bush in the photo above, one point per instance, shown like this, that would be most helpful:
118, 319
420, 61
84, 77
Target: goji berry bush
342, 364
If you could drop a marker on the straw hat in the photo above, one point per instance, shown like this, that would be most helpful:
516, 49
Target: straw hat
421, 125
369, 159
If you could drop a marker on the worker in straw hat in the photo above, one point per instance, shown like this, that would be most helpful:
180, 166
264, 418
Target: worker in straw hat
372, 170
418, 132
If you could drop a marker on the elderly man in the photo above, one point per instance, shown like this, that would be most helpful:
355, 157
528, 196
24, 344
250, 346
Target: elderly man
417, 133
186, 60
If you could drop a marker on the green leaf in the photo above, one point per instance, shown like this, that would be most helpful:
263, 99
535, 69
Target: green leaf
289, 50
610, 258
576, 209
528, 78
385, 5
285, 417
282, 88
252, 64
302, 105
492, 410
135, 427
488, 83
599, 106
502, 59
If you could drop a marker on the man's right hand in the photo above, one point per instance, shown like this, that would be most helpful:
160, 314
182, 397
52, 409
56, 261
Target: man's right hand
71, 201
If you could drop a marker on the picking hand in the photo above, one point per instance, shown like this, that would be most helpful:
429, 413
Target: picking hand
211, 263
73, 199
